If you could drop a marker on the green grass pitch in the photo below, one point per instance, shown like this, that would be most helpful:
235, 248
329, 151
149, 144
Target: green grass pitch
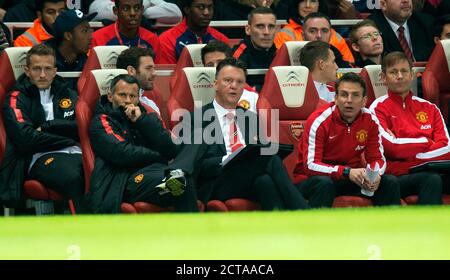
372, 233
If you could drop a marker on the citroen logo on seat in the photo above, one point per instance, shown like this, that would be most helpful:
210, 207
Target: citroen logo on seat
203, 78
292, 77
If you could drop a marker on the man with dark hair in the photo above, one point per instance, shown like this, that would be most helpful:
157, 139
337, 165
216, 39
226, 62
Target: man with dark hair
404, 30
330, 151
367, 43
216, 51
442, 29
318, 57
71, 43
257, 49
317, 27
126, 30
42, 132
139, 63
227, 128
413, 131
46, 11
132, 150
194, 29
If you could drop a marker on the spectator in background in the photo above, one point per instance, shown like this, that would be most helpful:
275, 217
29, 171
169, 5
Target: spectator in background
318, 57
298, 10
71, 43
194, 29
330, 151
435, 8
317, 27
126, 30
257, 49
42, 144
413, 131
158, 10
404, 30
46, 11
216, 51
239, 10
367, 43
140, 64
442, 29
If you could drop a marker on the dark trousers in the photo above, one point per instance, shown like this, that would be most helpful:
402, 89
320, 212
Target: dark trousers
322, 190
427, 185
263, 179
62, 173
141, 184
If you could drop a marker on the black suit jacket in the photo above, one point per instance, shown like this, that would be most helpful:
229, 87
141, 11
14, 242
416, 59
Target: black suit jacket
420, 29
209, 167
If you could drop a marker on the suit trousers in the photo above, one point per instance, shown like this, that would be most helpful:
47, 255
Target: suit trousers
263, 179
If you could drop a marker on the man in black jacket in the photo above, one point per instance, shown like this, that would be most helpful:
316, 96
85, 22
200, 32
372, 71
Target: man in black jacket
257, 49
227, 128
132, 151
40, 124
404, 30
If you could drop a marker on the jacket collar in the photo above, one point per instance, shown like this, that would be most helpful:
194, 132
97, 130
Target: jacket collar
398, 99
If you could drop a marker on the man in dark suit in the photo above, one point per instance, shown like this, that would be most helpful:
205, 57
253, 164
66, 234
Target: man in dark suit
404, 30
228, 128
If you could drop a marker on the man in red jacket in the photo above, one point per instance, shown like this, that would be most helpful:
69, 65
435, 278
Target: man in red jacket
332, 148
413, 131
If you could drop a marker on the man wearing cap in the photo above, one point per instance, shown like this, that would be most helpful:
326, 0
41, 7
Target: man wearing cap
71, 43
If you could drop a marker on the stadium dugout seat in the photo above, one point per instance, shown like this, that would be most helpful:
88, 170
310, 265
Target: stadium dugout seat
288, 54
98, 84
190, 56
100, 57
12, 65
436, 78
291, 90
195, 88
161, 84
375, 87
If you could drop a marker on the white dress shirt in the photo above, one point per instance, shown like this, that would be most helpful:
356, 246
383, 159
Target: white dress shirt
324, 92
395, 28
225, 126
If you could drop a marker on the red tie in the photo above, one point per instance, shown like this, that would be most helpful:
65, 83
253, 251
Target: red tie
234, 137
404, 43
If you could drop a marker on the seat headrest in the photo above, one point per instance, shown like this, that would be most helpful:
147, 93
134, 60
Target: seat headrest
103, 78
17, 57
201, 84
446, 47
196, 54
292, 81
294, 48
374, 73
107, 55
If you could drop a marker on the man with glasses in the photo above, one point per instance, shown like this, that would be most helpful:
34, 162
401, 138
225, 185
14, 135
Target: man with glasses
194, 29
412, 129
40, 123
367, 43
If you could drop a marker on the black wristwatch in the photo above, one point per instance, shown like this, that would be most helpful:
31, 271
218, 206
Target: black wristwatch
346, 172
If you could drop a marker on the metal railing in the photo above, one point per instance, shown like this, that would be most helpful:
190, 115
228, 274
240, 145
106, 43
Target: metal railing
216, 23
